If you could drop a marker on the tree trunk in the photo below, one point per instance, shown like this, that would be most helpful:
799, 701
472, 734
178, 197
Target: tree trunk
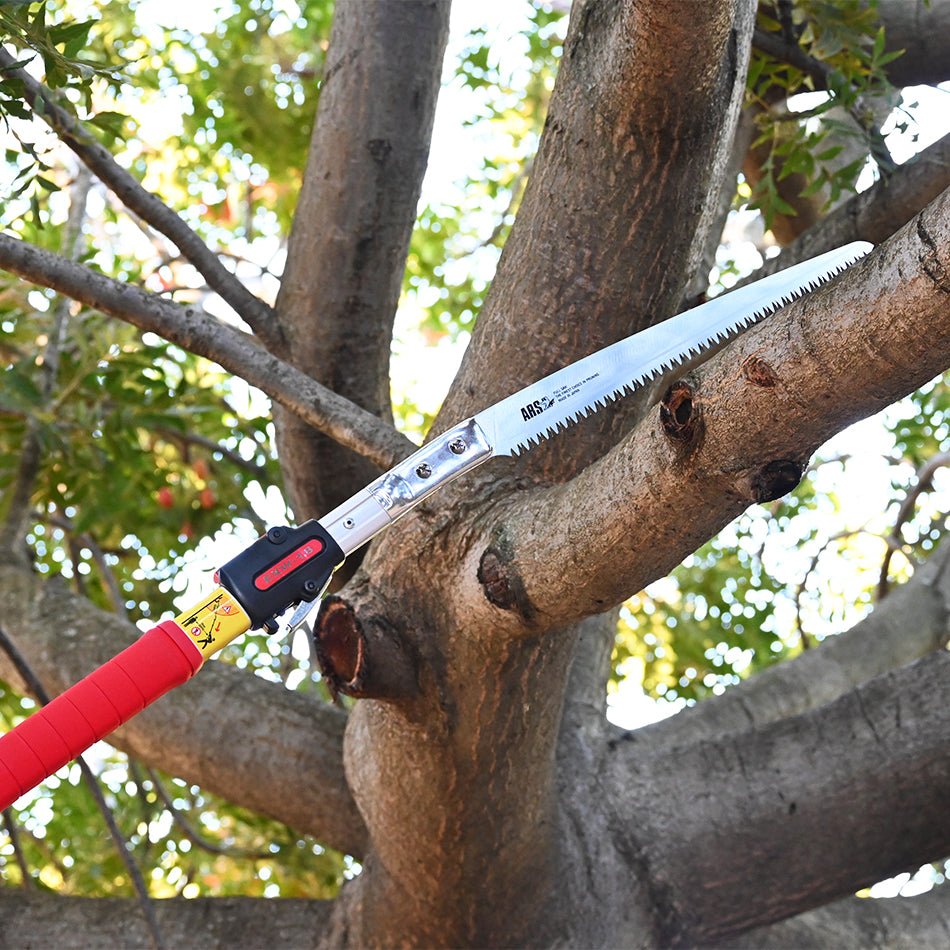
352, 227
476, 776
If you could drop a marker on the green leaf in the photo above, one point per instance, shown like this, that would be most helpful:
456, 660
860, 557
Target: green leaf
878, 44
814, 186
829, 153
113, 123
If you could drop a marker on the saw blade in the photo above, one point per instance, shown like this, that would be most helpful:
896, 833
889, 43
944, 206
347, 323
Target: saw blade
568, 395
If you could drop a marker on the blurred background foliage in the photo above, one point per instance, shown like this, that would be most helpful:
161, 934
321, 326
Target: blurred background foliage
145, 466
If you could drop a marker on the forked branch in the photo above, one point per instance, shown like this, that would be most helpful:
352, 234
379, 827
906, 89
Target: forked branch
765, 403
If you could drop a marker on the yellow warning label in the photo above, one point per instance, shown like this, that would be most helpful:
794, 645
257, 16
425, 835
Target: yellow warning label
214, 622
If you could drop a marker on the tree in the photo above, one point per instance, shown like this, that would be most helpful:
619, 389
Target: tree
474, 775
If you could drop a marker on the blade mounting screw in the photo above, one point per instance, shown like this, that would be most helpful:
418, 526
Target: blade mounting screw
457, 446
423, 470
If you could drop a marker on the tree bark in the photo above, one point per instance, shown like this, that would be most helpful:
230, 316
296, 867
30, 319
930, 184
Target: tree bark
492, 804
921, 28
753, 828
595, 257
617, 509
347, 250
216, 923
895, 923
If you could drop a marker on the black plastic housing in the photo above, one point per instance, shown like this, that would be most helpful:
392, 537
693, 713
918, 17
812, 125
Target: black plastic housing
281, 569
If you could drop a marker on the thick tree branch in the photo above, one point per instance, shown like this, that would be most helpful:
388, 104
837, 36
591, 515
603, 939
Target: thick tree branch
759, 409
894, 923
274, 751
921, 28
615, 215
886, 639
347, 250
795, 814
204, 335
147, 206
217, 923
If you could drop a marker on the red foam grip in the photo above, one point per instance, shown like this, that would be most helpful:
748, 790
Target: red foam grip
161, 659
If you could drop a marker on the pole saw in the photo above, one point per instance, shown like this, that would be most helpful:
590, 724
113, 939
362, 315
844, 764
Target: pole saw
290, 567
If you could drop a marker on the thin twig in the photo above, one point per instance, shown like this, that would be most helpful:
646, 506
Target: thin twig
75, 541
31, 457
193, 438
193, 835
14, 832
924, 483
34, 685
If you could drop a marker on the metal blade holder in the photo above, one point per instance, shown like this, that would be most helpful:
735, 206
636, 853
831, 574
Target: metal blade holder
394, 493
293, 566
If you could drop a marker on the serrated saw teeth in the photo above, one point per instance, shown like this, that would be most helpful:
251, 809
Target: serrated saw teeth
544, 408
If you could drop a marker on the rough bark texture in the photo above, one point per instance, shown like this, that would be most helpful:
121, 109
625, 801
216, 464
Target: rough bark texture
352, 226
594, 258
898, 923
238, 923
921, 28
477, 778
832, 790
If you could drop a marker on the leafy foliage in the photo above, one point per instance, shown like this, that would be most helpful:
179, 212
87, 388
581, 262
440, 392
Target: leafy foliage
504, 88
41, 32
156, 419
193, 843
832, 48
36, 29
246, 89
184, 447
700, 632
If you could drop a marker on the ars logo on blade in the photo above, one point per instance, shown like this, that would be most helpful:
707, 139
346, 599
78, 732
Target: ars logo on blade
536, 408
